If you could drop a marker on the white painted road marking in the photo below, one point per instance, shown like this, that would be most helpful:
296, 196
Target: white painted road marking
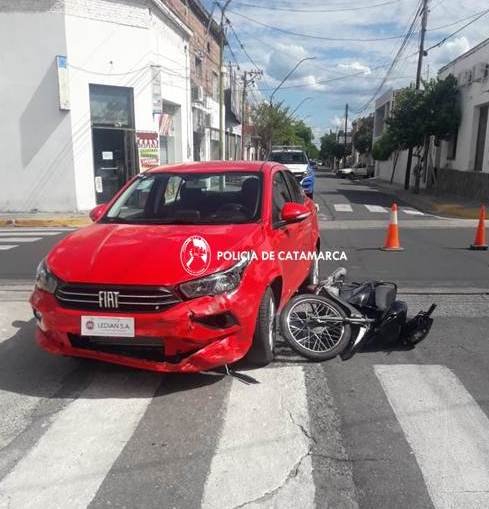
27, 234
343, 207
413, 212
6, 247
376, 208
446, 429
263, 454
20, 239
70, 461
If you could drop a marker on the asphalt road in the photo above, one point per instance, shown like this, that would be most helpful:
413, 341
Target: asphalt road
388, 428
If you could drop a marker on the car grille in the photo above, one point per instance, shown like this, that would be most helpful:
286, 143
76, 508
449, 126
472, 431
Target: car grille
143, 299
142, 348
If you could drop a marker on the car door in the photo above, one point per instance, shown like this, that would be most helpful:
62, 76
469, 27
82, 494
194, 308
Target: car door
284, 237
306, 234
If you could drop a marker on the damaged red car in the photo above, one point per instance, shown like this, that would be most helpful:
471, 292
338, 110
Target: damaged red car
183, 271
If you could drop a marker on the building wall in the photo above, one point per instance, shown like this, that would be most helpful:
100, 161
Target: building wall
474, 93
120, 52
48, 158
35, 135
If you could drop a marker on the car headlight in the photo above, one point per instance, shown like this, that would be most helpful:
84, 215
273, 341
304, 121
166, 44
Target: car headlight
221, 282
44, 279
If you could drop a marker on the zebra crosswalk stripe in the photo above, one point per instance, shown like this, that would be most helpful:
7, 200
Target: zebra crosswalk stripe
70, 461
20, 239
412, 212
376, 209
7, 247
343, 207
264, 440
446, 429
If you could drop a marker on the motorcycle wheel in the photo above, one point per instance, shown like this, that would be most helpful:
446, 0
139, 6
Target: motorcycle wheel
314, 327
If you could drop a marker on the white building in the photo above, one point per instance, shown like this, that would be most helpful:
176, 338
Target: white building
463, 162
394, 169
90, 93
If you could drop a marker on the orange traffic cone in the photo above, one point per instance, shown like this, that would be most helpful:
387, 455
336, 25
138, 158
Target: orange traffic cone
392, 238
480, 234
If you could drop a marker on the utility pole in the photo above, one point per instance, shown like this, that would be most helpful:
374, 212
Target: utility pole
221, 81
346, 132
248, 78
421, 55
243, 114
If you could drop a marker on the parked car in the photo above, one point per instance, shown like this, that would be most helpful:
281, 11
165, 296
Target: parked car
295, 159
362, 170
176, 273
344, 172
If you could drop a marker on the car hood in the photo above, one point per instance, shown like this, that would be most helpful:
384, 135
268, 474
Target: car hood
145, 254
297, 168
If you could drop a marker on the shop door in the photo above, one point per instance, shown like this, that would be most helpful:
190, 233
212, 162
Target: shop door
113, 151
113, 139
481, 138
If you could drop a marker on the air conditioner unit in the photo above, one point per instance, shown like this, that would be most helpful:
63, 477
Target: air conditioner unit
198, 94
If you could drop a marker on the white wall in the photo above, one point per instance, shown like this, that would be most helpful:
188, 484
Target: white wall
36, 166
47, 159
473, 96
120, 52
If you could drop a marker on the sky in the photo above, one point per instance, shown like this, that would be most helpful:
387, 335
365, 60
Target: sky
353, 43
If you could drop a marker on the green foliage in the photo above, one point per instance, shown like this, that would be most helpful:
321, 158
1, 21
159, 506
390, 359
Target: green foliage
384, 147
274, 126
418, 114
362, 139
331, 148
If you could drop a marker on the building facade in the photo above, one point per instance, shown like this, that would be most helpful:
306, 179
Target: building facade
204, 76
463, 162
394, 168
94, 92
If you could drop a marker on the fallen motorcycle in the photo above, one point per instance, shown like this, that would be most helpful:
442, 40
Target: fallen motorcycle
337, 318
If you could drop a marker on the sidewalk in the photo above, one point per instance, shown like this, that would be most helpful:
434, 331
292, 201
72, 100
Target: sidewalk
444, 206
43, 219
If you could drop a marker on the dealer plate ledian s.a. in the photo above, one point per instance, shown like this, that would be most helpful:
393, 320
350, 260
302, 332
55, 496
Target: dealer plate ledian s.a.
107, 326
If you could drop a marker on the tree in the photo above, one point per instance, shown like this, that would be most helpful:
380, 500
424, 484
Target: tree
362, 139
275, 126
419, 114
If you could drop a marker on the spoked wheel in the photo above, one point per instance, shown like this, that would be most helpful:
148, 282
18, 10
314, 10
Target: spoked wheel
314, 327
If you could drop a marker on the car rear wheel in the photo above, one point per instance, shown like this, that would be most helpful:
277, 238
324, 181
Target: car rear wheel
261, 351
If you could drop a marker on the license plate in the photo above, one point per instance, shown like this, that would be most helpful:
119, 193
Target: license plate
107, 326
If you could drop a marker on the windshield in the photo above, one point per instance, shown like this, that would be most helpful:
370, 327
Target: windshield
289, 157
181, 198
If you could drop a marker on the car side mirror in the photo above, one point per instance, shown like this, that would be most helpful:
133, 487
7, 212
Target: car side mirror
294, 212
97, 212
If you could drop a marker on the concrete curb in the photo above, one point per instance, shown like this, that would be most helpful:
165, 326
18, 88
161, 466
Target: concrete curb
446, 207
71, 222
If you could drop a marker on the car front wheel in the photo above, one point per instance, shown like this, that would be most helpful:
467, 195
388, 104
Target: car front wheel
261, 351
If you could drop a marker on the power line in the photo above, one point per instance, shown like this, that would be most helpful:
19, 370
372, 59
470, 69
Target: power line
292, 9
442, 41
407, 37
242, 46
348, 39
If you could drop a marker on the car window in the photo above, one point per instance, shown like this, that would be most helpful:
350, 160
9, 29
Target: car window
280, 196
289, 157
296, 191
190, 198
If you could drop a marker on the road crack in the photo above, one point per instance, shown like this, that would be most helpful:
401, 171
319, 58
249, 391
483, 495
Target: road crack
304, 431
293, 473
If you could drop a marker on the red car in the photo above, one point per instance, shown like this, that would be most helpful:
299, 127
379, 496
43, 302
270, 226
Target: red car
184, 270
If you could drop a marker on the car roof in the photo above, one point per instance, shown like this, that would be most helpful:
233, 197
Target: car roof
215, 166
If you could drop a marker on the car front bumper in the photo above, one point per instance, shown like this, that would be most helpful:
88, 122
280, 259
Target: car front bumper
191, 334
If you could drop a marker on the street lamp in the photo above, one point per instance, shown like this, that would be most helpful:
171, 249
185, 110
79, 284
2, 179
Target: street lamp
276, 89
299, 105
288, 76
